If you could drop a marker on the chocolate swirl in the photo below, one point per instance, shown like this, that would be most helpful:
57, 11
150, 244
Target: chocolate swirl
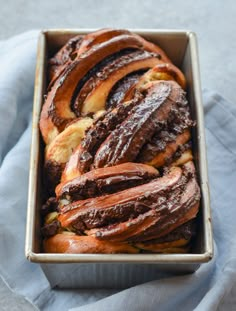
116, 111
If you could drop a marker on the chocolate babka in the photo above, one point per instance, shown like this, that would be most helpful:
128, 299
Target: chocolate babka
119, 171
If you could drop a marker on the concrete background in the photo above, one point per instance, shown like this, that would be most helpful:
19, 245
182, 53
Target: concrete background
213, 21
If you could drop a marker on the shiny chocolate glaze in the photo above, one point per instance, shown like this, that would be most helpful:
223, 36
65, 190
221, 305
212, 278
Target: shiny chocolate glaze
107, 68
98, 72
106, 180
125, 142
64, 55
169, 209
96, 135
120, 89
101, 211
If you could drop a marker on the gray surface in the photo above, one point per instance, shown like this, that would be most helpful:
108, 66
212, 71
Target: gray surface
214, 22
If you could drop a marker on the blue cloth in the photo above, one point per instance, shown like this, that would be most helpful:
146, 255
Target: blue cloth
212, 287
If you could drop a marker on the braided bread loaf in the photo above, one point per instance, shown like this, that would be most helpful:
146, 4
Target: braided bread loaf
118, 156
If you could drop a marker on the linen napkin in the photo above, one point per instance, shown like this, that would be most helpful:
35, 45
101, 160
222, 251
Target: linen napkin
212, 287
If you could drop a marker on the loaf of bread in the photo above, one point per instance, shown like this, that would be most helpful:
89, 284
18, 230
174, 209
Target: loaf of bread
119, 172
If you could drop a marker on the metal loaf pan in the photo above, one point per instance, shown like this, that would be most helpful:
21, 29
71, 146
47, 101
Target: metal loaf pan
119, 270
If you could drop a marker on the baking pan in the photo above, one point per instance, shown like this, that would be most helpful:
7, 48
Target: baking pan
119, 270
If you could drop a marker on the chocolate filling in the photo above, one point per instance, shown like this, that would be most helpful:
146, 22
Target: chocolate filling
65, 54
109, 209
96, 70
52, 175
109, 216
120, 89
50, 229
174, 208
51, 205
95, 136
100, 182
178, 121
185, 231
124, 143
181, 149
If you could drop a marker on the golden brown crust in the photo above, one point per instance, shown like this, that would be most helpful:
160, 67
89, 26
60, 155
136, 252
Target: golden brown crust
75, 47
92, 49
58, 62
56, 112
57, 153
98, 37
94, 93
163, 71
63, 145
151, 47
74, 244
105, 34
